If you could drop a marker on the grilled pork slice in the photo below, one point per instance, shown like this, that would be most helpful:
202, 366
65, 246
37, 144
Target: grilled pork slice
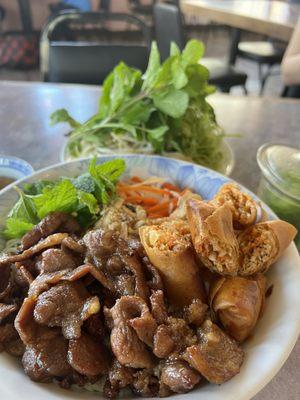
217, 357
213, 236
262, 244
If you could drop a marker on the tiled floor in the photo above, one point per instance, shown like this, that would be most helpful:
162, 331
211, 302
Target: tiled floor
217, 42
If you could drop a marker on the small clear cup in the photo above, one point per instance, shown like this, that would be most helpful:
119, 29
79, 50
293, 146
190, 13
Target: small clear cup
280, 181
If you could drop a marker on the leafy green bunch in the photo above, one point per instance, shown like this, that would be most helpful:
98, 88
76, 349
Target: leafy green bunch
83, 197
162, 111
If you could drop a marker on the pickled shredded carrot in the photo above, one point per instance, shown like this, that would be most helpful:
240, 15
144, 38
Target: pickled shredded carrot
159, 199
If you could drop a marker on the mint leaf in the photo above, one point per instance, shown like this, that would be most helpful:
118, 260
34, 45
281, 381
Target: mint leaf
24, 209
37, 187
88, 200
192, 52
111, 170
173, 102
153, 66
105, 176
16, 228
62, 115
62, 197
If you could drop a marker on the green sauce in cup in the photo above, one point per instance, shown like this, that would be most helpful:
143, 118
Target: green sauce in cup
280, 182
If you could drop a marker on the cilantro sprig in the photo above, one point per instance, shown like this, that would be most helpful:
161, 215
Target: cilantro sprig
83, 197
163, 110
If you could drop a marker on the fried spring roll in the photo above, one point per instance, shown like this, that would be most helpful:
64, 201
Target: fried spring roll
237, 303
213, 236
170, 250
243, 207
262, 244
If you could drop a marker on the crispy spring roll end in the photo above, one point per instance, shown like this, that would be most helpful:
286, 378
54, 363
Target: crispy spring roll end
170, 251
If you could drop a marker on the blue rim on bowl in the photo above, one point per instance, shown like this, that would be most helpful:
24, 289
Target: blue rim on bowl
14, 167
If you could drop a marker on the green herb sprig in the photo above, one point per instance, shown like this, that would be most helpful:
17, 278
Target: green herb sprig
164, 110
83, 197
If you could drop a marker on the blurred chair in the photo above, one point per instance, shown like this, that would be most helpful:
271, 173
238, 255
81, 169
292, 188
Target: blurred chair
291, 91
89, 61
105, 5
2, 16
139, 8
265, 53
168, 24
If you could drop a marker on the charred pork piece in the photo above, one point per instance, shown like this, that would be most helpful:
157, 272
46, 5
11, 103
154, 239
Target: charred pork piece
119, 261
66, 305
145, 383
119, 377
213, 236
217, 357
6, 286
45, 356
196, 312
22, 277
182, 335
76, 246
6, 310
43, 282
7, 332
53, 260
52, 223
262, 244
154, 280
88, 356
133, 264
50, 241
158, 307
237, 303
242, 206
163, 343
96, 273
132, 327
172, 337
179, 376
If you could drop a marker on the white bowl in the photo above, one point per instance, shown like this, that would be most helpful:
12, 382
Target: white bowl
274, 336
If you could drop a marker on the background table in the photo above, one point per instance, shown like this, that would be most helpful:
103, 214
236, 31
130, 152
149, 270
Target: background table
25, 132
268, 17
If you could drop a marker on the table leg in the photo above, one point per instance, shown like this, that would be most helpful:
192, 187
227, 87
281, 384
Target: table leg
235, 38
